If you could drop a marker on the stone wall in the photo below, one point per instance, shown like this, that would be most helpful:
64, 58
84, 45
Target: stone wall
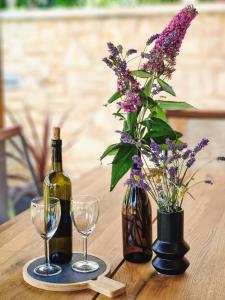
52, 62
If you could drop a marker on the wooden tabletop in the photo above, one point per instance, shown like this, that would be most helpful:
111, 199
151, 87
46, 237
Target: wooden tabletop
204, 231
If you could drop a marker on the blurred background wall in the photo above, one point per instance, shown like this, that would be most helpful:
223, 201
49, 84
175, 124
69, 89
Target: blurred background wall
52, 64
53, 74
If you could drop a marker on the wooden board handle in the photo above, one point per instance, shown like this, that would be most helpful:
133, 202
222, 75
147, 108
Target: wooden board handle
107, 286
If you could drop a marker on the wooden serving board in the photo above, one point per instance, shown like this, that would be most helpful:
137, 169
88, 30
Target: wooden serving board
69, 280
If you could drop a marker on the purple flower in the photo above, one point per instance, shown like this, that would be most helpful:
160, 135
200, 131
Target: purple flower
172, 36
137, 161
138, 173
127, 107
155, 159
186, 154
152, 39
190, 162
182, 146
128, 181
121, 86
135, 85
203, 143
137, 179
164, 157
113, 49
172, 171
170, 145
156, 89
131, 51
162, 58
156, 148
155, 63
133, 98
169, 39
108, 62
144, 55
174, 157
123, 67
132, 101
145, 186
125, 137
127, 84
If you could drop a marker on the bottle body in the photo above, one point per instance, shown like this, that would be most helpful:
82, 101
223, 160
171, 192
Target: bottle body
57, 184
137, 226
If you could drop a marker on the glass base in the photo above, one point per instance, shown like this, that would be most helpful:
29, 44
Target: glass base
47, 270
85, 266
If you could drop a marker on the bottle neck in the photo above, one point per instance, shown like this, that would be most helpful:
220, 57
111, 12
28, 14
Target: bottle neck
57, 155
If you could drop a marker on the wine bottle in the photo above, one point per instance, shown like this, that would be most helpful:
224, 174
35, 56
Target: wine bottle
57, 184
137, 225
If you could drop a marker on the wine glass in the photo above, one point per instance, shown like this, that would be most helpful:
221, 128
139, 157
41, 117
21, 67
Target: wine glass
46, 217
84, 213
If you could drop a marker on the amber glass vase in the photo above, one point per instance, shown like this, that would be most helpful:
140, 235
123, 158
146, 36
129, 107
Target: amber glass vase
137, 226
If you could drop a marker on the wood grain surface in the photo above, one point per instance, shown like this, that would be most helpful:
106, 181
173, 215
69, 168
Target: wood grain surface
204, 231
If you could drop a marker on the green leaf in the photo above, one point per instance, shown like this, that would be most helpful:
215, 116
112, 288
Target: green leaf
148, 87
110, 150
159, 113
131, 121
125, 125
119, 115
122, 163
158, 127
178, 134
114, 97
174, 105
159, 130
148, 102
141, 73
166, 87
145, 122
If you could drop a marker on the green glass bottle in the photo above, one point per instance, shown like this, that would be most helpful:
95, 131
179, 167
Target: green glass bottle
57, 184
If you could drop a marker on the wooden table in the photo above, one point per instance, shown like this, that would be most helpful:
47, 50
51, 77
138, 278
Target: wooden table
204, 231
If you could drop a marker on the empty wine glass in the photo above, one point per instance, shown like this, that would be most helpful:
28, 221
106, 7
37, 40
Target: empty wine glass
84, 213
46, 217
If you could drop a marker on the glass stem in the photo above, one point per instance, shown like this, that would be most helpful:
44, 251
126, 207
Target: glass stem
46, 251
85, 248
47, 259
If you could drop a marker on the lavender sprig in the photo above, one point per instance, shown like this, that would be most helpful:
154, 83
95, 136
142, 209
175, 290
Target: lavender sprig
112, 49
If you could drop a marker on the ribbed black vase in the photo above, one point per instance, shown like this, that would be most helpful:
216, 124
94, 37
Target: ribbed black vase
170, 247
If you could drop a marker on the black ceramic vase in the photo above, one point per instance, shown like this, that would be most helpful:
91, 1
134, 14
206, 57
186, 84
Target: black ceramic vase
137, 226
170, 246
